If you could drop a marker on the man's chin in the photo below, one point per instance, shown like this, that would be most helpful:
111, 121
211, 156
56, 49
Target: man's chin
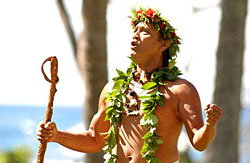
132, 53
134, 56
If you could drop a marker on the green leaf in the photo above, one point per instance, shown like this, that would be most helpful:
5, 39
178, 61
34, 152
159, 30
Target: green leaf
149, 85
133, 11
144, 97
153, 119
147, 135
118, 84
155, 160
159, 141
145, 147
152, 110
121, 97
157, 26
144, 119
133, 63
129, 71
160, 100
153, 94
109, 113
111, 95
162, 83
120, 73
112, 128
148, 104
152, 151
113, 141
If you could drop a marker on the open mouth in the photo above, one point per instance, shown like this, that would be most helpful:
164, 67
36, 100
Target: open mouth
134, 44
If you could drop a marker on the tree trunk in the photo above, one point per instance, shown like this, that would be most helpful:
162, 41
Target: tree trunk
227, 92
92, 59
91, 54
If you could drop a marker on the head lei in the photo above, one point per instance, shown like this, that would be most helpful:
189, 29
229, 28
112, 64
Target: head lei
166, 30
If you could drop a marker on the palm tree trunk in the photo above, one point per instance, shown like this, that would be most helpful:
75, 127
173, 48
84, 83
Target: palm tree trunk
227, 92
91, 55
92, 58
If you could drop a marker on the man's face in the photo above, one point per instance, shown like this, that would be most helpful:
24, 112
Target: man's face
146, 42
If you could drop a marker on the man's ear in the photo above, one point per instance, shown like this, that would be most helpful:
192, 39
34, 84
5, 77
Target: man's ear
165, 44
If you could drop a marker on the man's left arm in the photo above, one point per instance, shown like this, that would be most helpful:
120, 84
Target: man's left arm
204, 136
200, 134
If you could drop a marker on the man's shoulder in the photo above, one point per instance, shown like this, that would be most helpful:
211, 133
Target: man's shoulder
181, 86
107, 88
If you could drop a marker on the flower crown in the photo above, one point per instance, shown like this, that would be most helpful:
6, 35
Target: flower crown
166, 30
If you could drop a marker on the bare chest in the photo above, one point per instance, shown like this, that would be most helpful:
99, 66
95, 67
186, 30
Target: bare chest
130, 132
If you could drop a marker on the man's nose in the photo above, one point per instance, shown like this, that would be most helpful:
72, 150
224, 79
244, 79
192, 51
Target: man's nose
136, 35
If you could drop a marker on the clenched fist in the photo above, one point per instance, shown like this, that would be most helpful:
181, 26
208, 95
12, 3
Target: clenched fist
46, 132
213, 114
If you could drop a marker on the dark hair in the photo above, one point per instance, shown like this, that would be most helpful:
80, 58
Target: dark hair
166, 57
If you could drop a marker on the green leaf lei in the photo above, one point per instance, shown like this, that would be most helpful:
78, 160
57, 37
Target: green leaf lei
117, 99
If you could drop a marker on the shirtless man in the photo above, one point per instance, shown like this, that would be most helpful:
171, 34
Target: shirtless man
182, 107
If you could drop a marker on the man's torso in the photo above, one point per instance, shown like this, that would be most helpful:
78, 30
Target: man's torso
130, 131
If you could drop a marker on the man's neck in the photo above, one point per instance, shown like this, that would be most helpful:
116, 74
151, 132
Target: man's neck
149, 64
148, 68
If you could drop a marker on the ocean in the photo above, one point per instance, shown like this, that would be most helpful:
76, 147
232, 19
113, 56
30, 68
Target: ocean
18, 127
18, 124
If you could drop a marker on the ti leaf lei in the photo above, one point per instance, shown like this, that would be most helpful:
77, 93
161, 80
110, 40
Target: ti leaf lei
117, 98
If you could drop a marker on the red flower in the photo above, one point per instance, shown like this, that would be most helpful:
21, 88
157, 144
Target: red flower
132, 22
150, 13
176, 41
139, 12
172, 34
162, 26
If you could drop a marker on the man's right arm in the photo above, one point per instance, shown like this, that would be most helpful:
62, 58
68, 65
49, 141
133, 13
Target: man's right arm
89, 141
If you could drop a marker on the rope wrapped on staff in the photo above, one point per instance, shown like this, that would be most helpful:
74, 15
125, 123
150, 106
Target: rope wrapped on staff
49, 111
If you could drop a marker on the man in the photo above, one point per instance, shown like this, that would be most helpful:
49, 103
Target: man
141, 114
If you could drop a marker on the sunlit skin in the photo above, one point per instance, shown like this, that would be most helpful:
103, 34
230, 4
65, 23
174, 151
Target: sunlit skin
182, 108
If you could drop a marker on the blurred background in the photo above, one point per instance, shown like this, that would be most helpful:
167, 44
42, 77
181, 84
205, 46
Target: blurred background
91, 38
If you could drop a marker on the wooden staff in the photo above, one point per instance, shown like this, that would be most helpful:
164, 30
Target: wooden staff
49, 111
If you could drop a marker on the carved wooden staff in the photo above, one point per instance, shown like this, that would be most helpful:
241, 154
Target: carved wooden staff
49, 111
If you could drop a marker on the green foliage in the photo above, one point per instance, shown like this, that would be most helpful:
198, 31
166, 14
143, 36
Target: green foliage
20, 154
149, 85
117, 98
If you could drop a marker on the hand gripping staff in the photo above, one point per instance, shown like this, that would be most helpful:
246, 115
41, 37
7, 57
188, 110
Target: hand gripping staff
49, 111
